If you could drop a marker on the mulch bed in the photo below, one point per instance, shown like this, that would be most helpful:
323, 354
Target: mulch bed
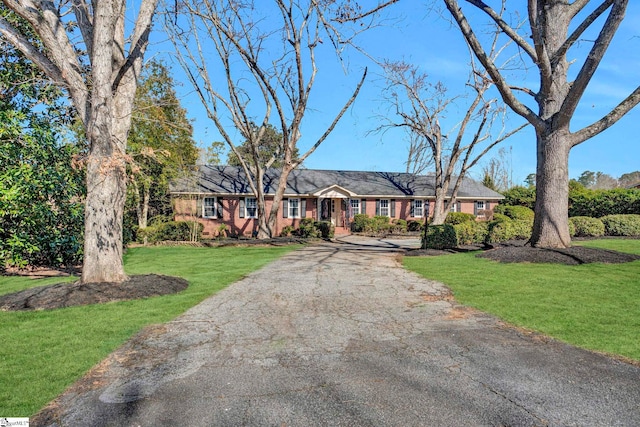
517, 251
71, 294
574, 255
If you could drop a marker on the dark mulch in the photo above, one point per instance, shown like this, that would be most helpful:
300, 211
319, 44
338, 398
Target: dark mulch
574, 255
72, 294
517, 251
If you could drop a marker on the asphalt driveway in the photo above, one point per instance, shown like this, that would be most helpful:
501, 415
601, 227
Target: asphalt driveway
341, 335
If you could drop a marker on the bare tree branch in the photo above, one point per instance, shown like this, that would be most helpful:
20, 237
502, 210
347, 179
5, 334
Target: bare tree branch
501, 84
609, 120
347, 16
594, 57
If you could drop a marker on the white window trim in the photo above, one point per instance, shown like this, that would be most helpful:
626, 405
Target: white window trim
215, 207
290, 206
388, 207
453, 207
421, 208
355, 211
246, 207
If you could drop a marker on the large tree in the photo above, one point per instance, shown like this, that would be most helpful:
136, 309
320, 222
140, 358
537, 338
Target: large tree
554, 29
255, 64
94, 51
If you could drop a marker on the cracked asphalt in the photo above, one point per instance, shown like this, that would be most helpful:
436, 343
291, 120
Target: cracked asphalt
339, 334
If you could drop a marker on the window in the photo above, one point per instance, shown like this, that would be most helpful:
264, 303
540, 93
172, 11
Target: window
294, 208
209, 207
479, 206
355, 206
384, 207
454, 207
251, 207
417, 209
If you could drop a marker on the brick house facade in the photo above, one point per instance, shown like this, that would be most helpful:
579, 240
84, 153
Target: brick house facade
217, 195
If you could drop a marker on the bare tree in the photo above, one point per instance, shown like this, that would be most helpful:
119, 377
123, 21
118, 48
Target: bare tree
255, 64
85, 50
419, 157
554, 28
420, 106
498, 171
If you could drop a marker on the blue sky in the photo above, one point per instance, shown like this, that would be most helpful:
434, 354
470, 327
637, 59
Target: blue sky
413, 34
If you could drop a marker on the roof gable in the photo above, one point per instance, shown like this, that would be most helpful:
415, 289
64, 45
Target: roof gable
334, 192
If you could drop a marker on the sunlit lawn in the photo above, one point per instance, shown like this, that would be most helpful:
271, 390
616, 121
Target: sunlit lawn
43, 352
594, 306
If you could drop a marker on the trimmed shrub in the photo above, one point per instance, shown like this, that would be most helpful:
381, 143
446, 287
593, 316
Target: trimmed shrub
379, 224
515, 212
439, 237
287, 231
413, 225
454, 218
621, 225
326, 229
469, 232
584, 226
178, 231
308, 229
501, 231
399, 226
360, 222
498, 217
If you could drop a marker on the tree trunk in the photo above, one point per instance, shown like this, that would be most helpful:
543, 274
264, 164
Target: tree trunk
439, 215
551, 224
106, 189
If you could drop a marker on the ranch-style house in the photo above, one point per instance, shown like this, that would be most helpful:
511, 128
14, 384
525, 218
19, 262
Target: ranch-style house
217, 195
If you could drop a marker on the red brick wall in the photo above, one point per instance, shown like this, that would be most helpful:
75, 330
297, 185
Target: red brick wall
185, 209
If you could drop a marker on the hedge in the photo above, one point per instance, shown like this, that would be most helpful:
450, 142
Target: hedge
469, 233
520, 196
454, 218
599, 203
439, 237
584, 226
178, 231
309, 228
378, 224
621, 225
515, 212
501, 231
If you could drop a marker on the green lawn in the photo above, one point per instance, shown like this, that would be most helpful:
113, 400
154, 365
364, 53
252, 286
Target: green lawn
594, 306
44, 352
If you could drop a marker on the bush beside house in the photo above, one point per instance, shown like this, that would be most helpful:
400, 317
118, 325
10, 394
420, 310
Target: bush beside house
309, 228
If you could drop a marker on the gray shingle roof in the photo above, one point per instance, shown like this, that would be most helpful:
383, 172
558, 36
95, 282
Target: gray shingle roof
222, 180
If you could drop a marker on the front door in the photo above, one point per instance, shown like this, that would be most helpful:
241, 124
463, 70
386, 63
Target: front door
332, 210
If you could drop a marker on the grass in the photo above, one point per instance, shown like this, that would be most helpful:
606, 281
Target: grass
593, 306
43, 352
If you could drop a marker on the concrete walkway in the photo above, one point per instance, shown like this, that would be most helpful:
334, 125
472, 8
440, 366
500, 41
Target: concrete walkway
341, 335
